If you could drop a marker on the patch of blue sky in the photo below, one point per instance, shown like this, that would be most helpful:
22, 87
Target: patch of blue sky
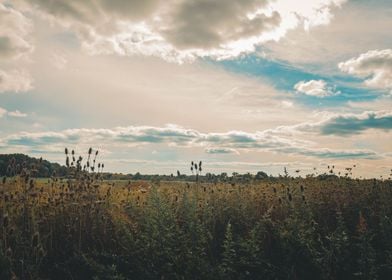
57, 116
284, 76
344, 95
281, 75
17, 101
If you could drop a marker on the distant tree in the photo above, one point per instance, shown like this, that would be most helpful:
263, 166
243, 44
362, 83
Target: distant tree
261, 175
137, 176
223, 176
43, 168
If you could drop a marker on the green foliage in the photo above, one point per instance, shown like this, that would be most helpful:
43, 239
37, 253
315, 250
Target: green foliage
229, 255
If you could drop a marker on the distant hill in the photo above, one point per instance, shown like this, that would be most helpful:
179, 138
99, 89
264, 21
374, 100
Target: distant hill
45, 168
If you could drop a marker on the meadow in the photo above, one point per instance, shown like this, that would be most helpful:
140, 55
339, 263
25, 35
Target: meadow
80, 226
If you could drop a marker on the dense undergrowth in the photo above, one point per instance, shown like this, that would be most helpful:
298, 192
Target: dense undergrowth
81, 227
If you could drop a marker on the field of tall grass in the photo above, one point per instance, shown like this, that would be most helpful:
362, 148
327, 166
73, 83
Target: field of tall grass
83, 227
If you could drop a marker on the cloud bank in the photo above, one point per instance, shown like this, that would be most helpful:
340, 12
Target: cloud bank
341, 124
349, 124
231, 142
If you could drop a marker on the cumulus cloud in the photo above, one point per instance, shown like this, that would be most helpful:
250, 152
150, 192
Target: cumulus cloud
181, 30
14, 33
204, 24
15, 81
374, 66
317, 88
214, 143
15, 114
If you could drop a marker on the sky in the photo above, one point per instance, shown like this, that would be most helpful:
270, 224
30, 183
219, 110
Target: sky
242, 85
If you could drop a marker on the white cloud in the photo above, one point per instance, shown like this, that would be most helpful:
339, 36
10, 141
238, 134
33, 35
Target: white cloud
15, 114
181, 30
15, 81
317, 88
374, 66
309, 13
